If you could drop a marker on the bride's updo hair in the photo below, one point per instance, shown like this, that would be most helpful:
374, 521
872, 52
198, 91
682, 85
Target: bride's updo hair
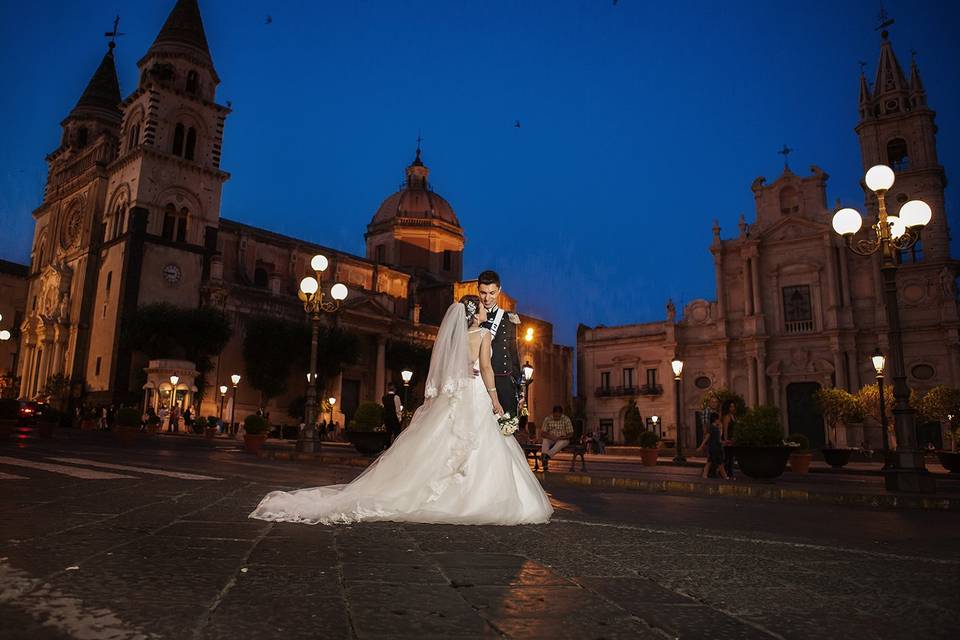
471, 304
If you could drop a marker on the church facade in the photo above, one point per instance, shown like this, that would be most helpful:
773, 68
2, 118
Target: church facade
795, 310
131, 216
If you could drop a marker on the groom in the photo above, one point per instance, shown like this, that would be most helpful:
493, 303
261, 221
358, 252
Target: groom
503, 330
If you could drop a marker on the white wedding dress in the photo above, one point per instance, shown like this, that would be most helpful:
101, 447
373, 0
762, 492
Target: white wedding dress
450, 466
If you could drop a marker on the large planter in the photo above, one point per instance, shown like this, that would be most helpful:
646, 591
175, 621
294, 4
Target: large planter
210, 433
950, 460
253, 442
126, 436
369, 443
649, 457
800, 462
88, 425
836, 458
762, 462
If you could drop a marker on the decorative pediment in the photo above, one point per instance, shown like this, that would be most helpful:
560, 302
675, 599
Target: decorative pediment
792, 228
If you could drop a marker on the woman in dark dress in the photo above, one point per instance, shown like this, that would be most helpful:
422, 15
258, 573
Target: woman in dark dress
713, 445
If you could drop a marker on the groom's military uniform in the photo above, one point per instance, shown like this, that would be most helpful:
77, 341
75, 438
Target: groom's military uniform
504, 357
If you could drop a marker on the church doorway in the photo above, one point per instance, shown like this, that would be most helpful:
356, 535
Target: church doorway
802, 413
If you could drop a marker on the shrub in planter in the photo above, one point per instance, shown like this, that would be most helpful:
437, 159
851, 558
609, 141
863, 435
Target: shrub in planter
126, 425
367, 417
632, 423
758, 443
254, 432
800, 455
649, 448
365, 432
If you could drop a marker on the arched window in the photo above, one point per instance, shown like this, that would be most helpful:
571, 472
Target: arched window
897, 156
133, 139
178, 140
260, 278
182, 225
82, 136
789, 201
192, 81
121, 219
169, 222
191, 143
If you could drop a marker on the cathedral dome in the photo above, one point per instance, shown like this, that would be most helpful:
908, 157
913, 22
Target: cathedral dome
415, 200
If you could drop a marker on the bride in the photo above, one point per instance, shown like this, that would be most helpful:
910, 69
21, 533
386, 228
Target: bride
450, 466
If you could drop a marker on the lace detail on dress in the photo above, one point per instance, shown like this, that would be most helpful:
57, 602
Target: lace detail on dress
465, 444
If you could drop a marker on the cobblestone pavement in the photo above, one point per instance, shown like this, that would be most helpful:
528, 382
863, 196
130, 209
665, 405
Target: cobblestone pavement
156, 544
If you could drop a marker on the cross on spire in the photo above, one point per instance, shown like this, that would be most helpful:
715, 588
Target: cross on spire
883, 21
419, 140
113, 34
785, 152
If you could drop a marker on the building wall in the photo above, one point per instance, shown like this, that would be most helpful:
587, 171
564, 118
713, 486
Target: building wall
13, 299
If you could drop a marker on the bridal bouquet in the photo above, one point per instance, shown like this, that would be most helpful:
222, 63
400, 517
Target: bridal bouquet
508, 425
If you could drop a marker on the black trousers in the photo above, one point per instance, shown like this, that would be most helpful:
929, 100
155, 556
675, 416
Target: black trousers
507, 394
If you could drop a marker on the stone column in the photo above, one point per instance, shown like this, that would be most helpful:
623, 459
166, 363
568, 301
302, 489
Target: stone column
45, 359
721, 294
761, 378
26, 368
755, 284
854, 370
747, 287
751, 380
381, 367
838, 369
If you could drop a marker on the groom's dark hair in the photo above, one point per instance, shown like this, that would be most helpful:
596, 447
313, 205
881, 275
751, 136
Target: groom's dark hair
489, 277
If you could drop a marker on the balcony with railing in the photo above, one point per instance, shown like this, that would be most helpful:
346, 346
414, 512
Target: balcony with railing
645, 390
800, 326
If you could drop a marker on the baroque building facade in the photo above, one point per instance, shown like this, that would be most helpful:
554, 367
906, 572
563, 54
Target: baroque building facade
795, 310
131, 216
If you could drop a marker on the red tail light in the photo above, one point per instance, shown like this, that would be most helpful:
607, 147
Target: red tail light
26, 411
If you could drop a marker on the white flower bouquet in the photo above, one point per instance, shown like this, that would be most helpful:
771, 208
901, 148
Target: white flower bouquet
508, 425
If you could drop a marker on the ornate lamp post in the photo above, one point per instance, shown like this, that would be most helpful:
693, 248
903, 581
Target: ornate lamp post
173, 393
314, 304
332, 402
235, 379
4, 335
406, 375
677, 365
891, 234
655, 420
879, 363
527, 370
223, 394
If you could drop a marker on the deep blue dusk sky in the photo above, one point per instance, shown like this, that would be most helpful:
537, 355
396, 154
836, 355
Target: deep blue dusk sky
641, 122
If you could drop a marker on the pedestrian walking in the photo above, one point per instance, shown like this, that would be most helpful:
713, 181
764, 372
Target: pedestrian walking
728, 427
713, 446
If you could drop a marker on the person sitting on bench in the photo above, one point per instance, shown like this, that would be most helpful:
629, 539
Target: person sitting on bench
555, 434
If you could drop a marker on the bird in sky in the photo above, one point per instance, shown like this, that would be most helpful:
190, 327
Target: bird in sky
516, 124
269, 19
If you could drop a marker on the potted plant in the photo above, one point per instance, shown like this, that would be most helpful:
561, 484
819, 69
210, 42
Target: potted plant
837, 406
153, 422
365, 431
632, 424
942, 404
649, 448
209, 426
126, 425
88, 421
255, 430
758, 443
800, 455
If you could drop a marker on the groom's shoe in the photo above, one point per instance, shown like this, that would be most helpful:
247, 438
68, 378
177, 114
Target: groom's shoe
546, 462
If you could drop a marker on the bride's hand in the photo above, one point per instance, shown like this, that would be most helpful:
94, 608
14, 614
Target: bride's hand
497, 409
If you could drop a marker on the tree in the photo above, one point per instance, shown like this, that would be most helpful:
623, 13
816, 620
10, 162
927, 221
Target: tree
162, 330
717, 399
272, 348
632, 423
56, 390
869, 397
942, 404
838, 406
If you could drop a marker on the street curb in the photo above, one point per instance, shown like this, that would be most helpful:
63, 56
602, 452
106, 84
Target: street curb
737, 489
747, 489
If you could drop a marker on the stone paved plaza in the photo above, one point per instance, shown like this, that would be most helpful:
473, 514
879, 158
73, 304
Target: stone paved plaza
155, 543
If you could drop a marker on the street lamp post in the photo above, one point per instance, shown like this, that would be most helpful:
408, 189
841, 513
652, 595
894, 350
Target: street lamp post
879, 363
677, 365
235, 379
223, 394
527, 380
891, 234
332, 402
314, 304
655, 420
406, 375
